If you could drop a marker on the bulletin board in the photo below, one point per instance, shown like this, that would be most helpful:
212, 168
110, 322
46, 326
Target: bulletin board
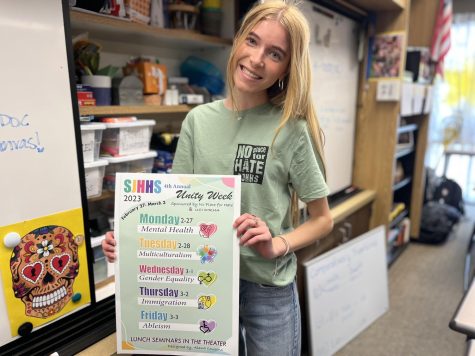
43, 255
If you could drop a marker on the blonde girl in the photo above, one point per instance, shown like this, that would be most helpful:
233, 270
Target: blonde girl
267, 132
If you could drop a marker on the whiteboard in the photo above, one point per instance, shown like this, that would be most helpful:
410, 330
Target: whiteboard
37, 138
40, 180
346, 290
335, 67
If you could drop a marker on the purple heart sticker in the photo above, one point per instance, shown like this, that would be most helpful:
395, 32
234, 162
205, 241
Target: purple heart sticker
207, 326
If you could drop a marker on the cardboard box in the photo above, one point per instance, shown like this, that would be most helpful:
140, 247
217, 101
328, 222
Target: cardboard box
138, 10
87, 102
153, 76
85, 95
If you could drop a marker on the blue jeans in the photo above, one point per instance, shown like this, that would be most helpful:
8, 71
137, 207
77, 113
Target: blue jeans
269, 320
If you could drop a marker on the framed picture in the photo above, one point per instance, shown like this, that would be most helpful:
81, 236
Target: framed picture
386, 55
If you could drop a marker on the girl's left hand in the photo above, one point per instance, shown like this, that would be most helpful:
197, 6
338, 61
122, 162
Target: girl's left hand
253, 232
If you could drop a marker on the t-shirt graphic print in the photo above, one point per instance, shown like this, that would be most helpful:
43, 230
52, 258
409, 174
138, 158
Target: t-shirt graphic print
250, 162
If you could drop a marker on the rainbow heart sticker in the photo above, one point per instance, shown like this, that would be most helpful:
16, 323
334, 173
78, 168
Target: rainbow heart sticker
206, 230
206, 301
207, 253
207, 277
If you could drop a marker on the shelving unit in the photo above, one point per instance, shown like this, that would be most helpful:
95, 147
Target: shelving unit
114, 29
103, 196
120, 39
398, 218
406, 128
403, 152
134, 110
402, 184
394, 256
377, 129
168, 118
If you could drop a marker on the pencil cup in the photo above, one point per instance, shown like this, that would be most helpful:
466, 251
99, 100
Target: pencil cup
100, 86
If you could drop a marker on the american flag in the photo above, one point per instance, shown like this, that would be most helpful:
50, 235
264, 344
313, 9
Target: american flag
441, 38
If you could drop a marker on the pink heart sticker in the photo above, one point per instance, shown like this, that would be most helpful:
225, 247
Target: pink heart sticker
206, 230
229, 182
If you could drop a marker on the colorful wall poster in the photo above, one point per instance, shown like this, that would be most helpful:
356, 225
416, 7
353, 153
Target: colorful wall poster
387, 55
177, 269
44, 269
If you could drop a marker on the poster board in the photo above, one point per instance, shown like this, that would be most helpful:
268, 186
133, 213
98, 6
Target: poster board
346, 290
43, 254
334, 41
177, 268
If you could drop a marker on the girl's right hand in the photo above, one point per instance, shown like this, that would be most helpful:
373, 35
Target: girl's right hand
108, 246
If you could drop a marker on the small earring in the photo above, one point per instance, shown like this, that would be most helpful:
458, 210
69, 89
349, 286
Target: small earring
280, 83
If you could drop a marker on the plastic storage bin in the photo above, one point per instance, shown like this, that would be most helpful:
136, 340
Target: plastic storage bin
94, 172
91, 136
126, 138
138, 163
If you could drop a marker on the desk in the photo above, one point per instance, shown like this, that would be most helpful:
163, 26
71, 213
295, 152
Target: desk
463, 150
467, 274
464, 319
470, 348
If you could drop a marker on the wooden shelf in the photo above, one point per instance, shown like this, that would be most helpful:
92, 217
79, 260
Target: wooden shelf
106, 194
109, 28
398, 219
406, 128
353, 204
105, 288
395, 254
97, 241
133, 110
403, 152
379, 5
402, 183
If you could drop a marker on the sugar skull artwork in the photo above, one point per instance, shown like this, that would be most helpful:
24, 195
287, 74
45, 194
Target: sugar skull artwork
44, 265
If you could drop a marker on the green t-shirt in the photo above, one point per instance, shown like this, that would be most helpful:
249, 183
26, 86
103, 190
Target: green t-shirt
213, 140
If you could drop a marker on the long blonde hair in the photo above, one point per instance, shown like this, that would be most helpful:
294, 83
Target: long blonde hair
295, 99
